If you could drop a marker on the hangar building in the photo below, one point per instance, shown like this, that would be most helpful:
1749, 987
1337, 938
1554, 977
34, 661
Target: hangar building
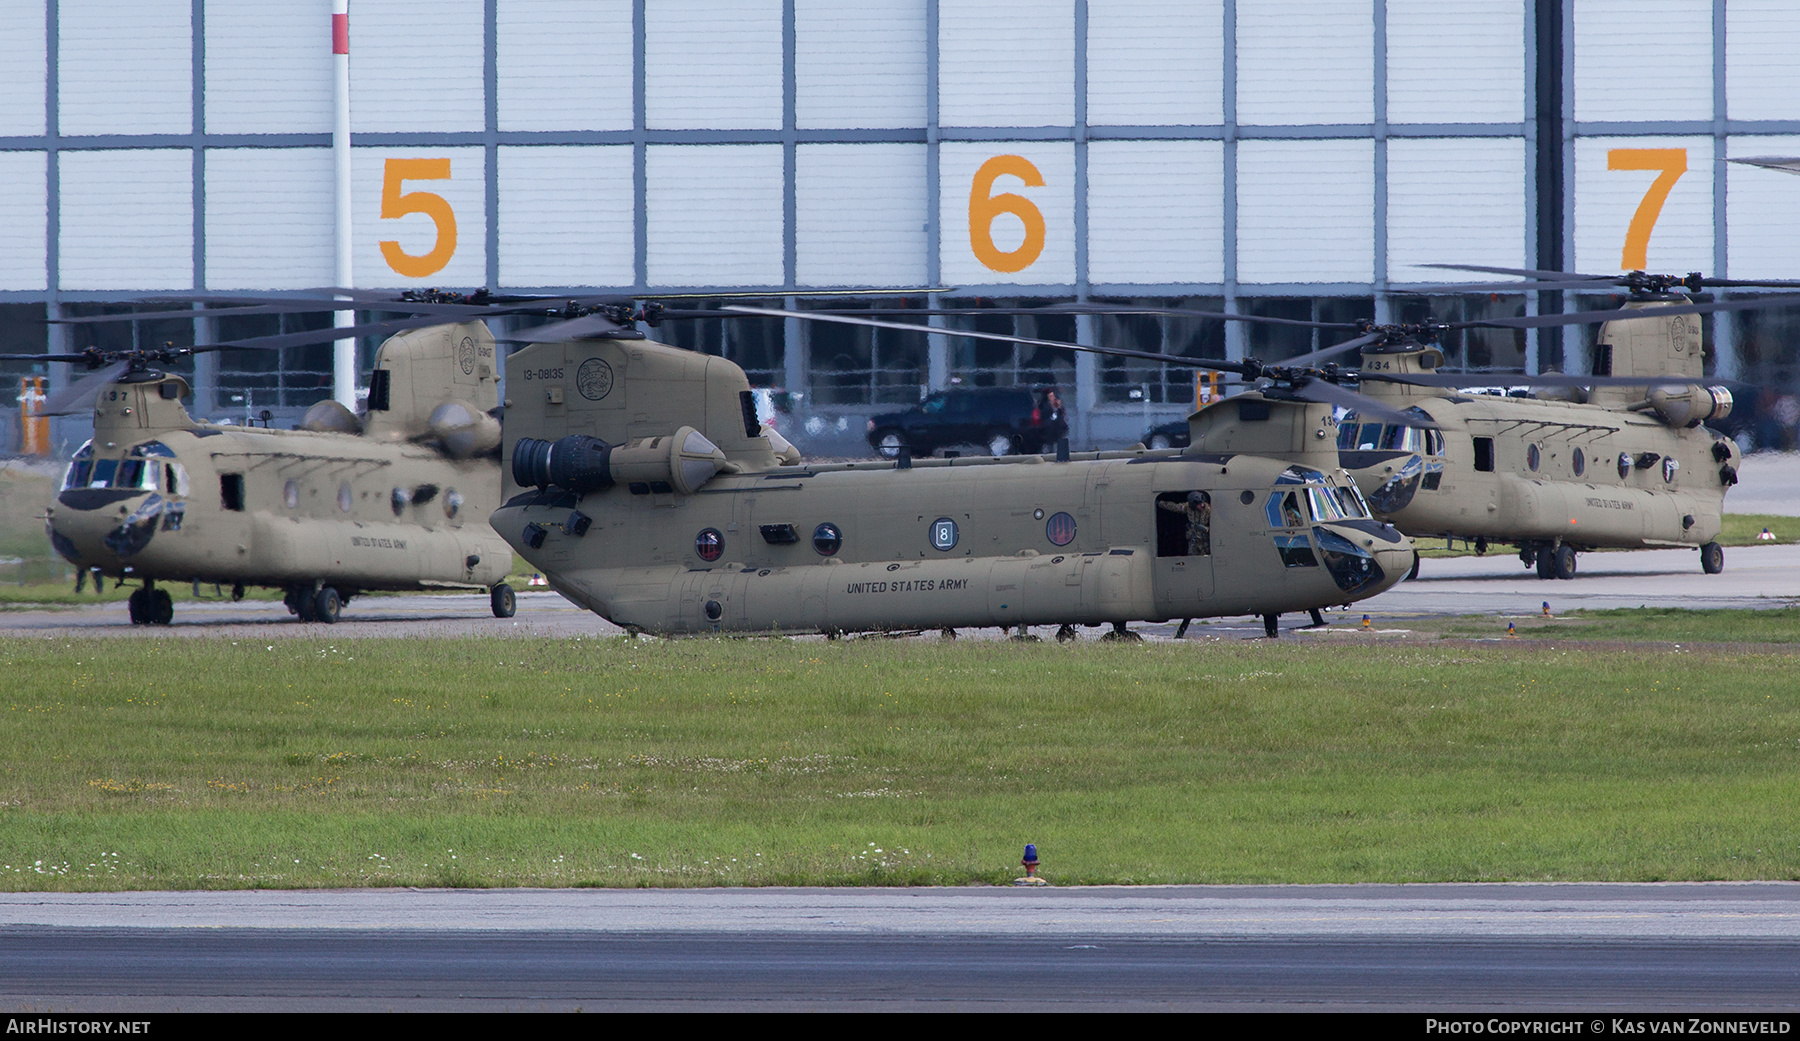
1291, 158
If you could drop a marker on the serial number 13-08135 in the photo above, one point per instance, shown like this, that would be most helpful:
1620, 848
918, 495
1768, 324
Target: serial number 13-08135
543, 374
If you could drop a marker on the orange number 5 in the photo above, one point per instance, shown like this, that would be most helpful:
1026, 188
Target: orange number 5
394, 204
985, 206
1673, 163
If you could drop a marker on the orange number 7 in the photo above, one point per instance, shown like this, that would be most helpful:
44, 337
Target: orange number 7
1673, 163
394, 203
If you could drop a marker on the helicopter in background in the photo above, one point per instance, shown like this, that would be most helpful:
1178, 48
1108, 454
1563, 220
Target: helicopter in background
392, 499
1618, 459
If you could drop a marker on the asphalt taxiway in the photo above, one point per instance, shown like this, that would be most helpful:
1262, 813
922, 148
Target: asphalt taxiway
1594, 947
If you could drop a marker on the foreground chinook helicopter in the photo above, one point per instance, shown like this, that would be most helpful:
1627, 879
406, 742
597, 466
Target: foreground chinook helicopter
642, 486
393, 499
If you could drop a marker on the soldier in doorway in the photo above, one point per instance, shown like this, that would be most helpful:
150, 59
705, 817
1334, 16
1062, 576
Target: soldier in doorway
1198, 510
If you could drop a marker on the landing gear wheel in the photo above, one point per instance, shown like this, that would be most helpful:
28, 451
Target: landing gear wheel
1119, 632
162, 607
1065, 633
503, 601
1546, 562
327, 605
1414, 573
1272, 626
304, 605
1024, 635
1712, 558
1001, 444
138, 605
237, 592
946, 634
1565, 562
889, 444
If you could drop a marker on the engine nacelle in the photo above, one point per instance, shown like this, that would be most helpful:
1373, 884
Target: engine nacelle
464, 431
1686, 405
680, 462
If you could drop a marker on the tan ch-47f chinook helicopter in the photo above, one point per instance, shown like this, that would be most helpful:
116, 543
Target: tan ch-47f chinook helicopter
1618, 459
394, 499
641, 484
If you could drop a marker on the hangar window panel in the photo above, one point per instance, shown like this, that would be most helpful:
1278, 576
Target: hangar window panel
1455, 63
1155, 211
127, 219
1455, 201
125, 68
1306, 211
1305, 61
270, 218
756, 345
1762, 79
24, 214
857, 365
861, 214
1006, 63
1271, 342
560, 65
860, 65
715, 215
22, 74
246, 382
416, 234
1135, 381
1008, 252
268, 70
566, 216
1474, 349
405, 79
1642, 59
1762, 208
986, 363
713, 65
1607, 200
1151, 63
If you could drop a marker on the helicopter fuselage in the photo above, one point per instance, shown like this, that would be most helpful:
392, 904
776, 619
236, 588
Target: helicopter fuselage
965, 542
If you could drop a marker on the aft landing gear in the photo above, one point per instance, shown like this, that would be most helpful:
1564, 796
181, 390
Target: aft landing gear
1712, 558
1119, 632
1272, 626
323, 604
503, 601
150, 606
1551, 561
1065, 633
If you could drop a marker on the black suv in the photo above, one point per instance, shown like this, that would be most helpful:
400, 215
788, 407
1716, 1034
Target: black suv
1003, 420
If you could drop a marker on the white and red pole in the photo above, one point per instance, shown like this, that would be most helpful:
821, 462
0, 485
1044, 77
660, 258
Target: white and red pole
343, 352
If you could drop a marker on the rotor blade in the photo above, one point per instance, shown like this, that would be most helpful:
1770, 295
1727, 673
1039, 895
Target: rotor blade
1330, 352
1456, 380
1174, 312
1331, 394
1119, 352
1542, 321
1522, 272
1514, 287
751, 294
573, 329
328, 334
1785, 164
72, 358
79, 396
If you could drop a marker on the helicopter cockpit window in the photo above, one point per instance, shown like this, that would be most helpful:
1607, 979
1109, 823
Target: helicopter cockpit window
81, 468
1388, 437
1284, 510
136, 473
1350, 500
152, 448
175, 479
104, 471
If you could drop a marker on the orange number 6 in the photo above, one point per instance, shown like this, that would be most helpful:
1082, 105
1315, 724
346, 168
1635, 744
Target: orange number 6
1673, 163
984, 207
394, 204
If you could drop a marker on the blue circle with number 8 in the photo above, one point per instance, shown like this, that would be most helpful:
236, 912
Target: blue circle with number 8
943, 534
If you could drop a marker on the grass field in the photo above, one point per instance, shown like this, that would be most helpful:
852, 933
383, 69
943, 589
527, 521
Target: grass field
304, 762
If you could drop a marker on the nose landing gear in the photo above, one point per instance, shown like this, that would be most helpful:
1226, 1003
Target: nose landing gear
150, 606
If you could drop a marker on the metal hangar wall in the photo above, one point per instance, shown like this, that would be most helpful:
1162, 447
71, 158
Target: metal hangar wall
1294, 158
